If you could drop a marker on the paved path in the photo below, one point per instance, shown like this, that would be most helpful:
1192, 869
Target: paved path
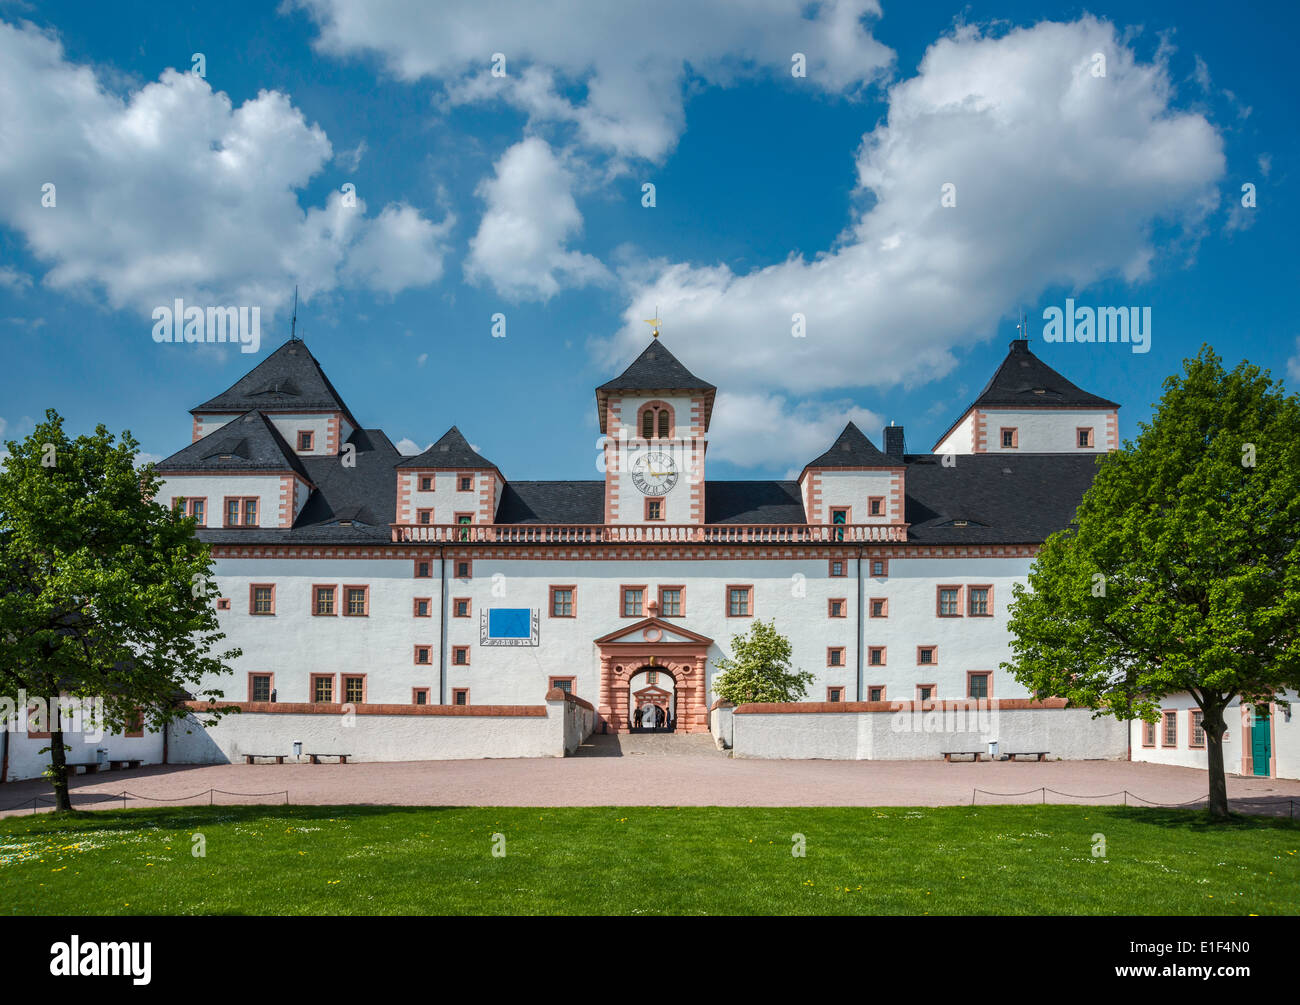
659, 770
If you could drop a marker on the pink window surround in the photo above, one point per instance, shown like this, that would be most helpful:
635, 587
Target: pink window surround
843, 608
654, 510
252, 598
681, 601
428, 607
270, 688
842, 564
876, 506
417, 693
223, 603
1085, 438
195, 507
423, 568
464, 568
306, 440
988, 682
426, 483
1014, 437
347, 604
571, 602
352, 678
835, 694
873, 651
876, 692
970, 600
1168, 728
246, 511
460, 696
878, 568
663, 424
1148, 734
460, 656
456, 607
424, 516
933, 690
464, 482
634, 611
1195, 722
939, 591
748, 591
835, 656
884, 607
332, 607
333, 691
423, 656
934, 656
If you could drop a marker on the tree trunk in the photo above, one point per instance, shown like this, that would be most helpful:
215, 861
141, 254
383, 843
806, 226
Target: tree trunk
1215, 727
59, 767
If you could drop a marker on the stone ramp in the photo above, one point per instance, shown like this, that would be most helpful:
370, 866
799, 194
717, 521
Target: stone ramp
650, 745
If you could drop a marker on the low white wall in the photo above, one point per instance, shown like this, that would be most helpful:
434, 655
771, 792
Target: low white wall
904, 734
26, 761
721, 724
432, 734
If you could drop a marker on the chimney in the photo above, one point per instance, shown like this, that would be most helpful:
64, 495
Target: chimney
894, 441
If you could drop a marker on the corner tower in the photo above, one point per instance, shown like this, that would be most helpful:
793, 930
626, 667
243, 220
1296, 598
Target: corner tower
655, 416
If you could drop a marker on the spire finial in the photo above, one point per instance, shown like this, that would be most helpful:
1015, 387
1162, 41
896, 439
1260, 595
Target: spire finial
293, 322
654, 323
1023, 326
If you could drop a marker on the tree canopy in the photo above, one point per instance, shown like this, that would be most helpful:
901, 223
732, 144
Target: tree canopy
1181, 571
759, 668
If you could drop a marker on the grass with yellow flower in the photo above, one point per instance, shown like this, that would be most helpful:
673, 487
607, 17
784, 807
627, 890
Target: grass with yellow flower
362, 860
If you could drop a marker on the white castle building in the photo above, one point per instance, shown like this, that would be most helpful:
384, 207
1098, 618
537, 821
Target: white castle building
351, 573
454, 605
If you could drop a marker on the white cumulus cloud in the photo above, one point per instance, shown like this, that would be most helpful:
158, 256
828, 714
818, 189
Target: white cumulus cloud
173, 190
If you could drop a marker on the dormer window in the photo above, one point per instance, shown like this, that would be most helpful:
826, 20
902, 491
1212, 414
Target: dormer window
306, 439
1085, 437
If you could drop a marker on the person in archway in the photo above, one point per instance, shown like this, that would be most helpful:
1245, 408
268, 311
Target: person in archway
636, 717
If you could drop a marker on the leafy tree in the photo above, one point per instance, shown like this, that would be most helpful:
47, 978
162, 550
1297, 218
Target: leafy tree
759, 668
1181, 572
104, 594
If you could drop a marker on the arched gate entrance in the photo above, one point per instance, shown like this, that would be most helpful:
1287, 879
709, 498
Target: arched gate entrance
654, 644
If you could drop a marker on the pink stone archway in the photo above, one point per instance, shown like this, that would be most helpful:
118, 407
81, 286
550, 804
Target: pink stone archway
684, 661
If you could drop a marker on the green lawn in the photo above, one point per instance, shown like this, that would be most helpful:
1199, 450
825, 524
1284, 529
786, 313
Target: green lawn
610, 860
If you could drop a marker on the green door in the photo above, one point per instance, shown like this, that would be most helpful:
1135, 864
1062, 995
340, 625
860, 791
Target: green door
1261, 748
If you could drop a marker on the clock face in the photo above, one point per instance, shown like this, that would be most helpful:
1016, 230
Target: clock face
654, 473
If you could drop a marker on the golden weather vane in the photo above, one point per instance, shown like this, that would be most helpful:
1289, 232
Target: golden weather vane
654, 323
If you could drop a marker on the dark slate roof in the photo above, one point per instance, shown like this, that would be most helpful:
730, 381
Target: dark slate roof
1017, 383
287, 380
365, 494
252, 443
1022, 375
852, 449
452, 451
753, 502
1006, 498
656, 369
552, 502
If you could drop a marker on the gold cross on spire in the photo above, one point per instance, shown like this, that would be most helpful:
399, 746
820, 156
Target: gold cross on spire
654, 323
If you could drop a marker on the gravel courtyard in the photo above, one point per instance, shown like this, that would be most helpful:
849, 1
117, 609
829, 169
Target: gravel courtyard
658, 770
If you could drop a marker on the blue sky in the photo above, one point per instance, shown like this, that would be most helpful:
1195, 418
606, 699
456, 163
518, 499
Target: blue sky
522, 194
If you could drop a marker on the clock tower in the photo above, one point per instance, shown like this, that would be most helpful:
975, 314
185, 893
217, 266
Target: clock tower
655, 418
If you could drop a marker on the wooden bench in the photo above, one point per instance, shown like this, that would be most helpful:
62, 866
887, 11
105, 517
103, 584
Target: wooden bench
90, 767
948, 755
1036, 754
315, 758
119, 765
248, 758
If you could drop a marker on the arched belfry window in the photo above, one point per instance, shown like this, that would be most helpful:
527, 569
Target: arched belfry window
656, 421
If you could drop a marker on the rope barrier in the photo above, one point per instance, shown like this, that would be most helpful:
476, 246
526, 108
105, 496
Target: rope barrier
124, 795
1104, 795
